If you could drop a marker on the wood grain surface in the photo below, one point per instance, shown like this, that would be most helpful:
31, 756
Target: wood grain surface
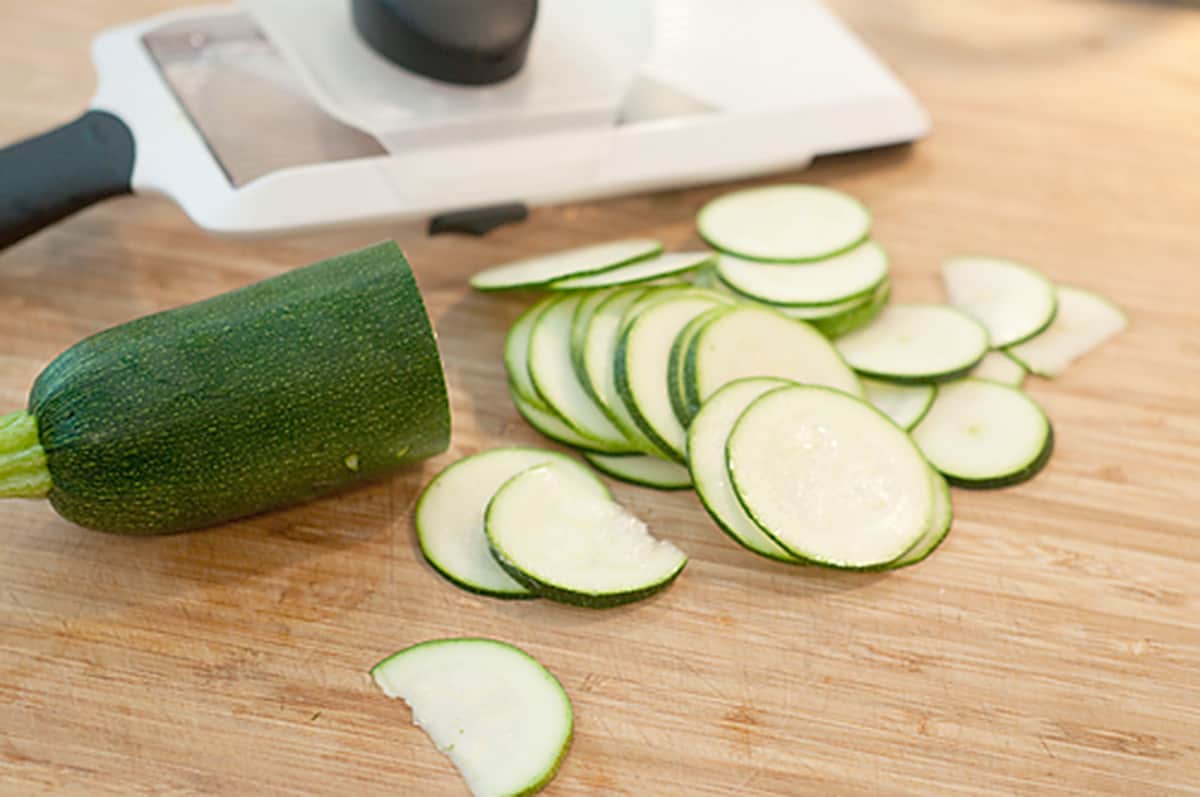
1051, 647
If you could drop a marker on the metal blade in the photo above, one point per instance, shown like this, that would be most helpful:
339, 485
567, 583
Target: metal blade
252, 111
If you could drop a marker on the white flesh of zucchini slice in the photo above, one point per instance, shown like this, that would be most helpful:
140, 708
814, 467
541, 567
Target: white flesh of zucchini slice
555, 428
571, 545
837, 280
500, 716
664, 265
557, 382
1013, 301
784, 222
706, 458
1084, 321
985, 434
829, 478
541, 270
916, 343
642, 366
449, 517
998, 366
597, 356
642, 469
516, 355
754, 341
904, 404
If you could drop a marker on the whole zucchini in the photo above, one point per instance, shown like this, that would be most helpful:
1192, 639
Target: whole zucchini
279, 392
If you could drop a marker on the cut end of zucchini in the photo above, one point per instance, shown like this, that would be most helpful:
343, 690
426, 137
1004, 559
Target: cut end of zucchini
784, 222
1084, 321
23, 472
1013, 301
501, 717
539, 271
984, 434
567, 543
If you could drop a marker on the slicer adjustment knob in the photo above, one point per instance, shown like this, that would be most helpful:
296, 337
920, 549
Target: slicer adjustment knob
472, 42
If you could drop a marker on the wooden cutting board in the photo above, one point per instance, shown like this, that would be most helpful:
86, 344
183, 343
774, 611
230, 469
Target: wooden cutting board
1051, 647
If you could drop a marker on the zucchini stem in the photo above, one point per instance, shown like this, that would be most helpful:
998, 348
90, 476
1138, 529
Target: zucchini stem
23, 472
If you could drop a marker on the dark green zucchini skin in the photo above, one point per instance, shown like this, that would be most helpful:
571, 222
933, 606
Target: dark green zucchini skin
282, 391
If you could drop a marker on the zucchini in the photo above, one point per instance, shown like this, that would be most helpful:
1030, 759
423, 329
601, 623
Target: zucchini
910, 343
501, 717
1084, 321
906, 405
1013, 301
642, 470
999, 366
541, 270
655, 268
837, 280
282, 391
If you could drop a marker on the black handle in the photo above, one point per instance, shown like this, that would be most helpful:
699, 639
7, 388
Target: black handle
49, 177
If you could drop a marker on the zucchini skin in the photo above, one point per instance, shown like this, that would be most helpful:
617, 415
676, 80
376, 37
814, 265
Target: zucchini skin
276, 393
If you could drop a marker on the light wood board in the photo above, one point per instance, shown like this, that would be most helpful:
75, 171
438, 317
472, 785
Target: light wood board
1051, 647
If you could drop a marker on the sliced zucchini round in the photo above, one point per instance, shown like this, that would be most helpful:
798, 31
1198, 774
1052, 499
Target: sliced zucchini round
999, 366
597, 355
664, 265
642, 470
784, 222
449, 517
706, 459
535, 272
500, 716
1084, 321
906, 405
836, 280
641, 365
916, 343
1013, 301
754, 341
553, 373
984, 434
939, 526
516, 355
685, 407
829, 477
555, 428
567, 543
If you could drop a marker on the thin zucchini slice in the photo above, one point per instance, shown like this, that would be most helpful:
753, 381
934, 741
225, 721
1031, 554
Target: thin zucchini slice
555, 428
500, 716
516, 355
554, 376
829, 477
706, 459
1084, 321
999, 366
536, 272
939, 526
664, 265
597, 358
814, 312
984, 434
676, 369
916, 343
906, 405
856, 318
1013, 301
642, 470
754, 341
642, 362
836, 280
568, 544
449, 517
784, 222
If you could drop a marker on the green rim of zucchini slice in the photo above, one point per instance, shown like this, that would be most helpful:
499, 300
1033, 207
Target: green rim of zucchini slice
551, 426
916, 343
784, 222
669, 264
516, 355
642, 470
449, 517
829, 477
1013, 301
906, 405
984, 434
707, 437
834, 281
541, 270
501, 717
566, 542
